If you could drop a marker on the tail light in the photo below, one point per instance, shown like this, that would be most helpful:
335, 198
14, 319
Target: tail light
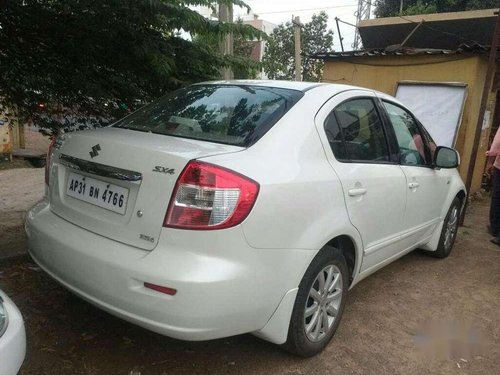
48, 161
207, 196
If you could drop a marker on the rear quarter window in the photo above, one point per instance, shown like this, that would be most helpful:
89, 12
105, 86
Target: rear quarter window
230, 114
355, 133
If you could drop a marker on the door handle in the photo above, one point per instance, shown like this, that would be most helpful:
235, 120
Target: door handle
356, 192
413, 185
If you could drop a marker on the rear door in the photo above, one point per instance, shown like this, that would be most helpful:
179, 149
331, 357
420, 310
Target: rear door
374, 185
426, 186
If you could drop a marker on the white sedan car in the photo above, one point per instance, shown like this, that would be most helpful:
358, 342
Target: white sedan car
244, 206
12, 337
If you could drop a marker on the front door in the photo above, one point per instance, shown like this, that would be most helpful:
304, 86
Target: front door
426, 187
374, 186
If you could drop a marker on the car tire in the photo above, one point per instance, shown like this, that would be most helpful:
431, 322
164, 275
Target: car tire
320, 302
448, 232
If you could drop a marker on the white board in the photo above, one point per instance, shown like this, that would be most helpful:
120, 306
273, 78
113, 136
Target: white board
438, 106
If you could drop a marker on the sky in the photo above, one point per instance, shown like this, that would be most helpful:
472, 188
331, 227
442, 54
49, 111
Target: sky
279, 11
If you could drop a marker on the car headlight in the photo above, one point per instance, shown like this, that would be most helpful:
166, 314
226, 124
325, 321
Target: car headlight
4, 319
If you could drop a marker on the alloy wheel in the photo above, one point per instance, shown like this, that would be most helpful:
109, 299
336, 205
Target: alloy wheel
323, 303
451, 228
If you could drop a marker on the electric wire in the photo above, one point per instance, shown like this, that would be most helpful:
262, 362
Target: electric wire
309, 9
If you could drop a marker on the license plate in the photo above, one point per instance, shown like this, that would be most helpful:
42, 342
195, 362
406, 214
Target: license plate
98, 193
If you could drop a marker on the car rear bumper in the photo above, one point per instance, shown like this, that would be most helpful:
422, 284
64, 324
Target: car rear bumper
13, 341
224, 286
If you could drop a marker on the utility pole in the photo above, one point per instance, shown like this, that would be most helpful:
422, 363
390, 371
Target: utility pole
298, 58
401, 7
226, 44
363, 13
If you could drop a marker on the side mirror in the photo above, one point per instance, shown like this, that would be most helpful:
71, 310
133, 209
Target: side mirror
446, 157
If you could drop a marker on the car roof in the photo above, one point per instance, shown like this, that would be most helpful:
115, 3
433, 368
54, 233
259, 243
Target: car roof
292, 85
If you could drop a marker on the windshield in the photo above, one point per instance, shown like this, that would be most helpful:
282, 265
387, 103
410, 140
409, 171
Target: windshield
230, 114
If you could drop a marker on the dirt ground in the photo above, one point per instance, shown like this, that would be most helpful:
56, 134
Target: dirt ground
418, 315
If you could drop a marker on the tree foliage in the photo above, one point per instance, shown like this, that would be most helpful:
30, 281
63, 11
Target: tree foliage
390, 8
89, 62
242, 65
278, 61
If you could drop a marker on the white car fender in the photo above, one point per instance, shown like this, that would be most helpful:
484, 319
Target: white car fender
456, 188
276, 329
13, 341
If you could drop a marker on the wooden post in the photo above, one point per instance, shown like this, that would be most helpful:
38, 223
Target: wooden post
298, 58
226, 44
482, 109
340, 35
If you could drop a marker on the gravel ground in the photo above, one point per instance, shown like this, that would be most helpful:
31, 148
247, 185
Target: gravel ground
418, 315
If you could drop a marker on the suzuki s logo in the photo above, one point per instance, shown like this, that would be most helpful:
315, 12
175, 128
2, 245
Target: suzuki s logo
94, 152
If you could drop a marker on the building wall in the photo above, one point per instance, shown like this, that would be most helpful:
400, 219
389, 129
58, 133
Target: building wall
383, 74
260, 46
5, 138
10, 137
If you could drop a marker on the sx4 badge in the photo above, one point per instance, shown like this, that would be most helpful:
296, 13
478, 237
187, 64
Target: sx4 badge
161, 169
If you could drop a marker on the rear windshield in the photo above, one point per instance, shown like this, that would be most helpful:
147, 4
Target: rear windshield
230, 114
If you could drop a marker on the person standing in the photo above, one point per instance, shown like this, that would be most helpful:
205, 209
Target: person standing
493, 169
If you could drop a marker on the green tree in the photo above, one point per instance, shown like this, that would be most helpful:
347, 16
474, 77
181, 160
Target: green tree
390, 8
278, 61
83, 63
243, 67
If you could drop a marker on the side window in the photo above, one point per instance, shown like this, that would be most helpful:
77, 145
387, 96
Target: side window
354, 131
332, 130
410, 140
431, 144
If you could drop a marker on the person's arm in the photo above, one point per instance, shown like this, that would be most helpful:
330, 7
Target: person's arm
489, 164
495, 145
493, 152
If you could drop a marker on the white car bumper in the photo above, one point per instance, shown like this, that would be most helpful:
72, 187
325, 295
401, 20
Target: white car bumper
13, 341
224, 286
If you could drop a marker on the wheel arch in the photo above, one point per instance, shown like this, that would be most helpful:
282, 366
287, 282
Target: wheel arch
276, 330
352, 253
432, 244
462, 196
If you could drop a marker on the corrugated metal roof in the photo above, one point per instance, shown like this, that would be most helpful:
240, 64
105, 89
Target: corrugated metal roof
405, 51
438, 30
